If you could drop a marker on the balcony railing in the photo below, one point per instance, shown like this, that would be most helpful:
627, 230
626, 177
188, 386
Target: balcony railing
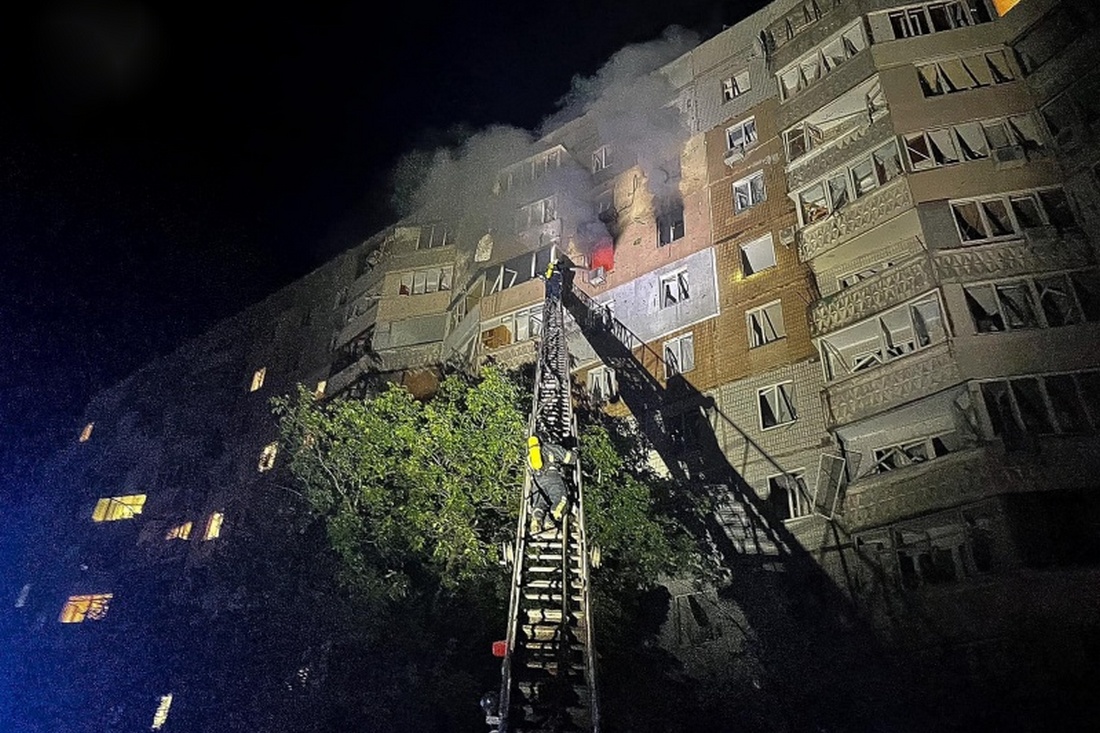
1039, 251
859, 216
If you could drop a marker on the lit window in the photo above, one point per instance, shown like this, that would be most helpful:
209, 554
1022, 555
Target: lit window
90, 607
160, 717
776, 405
112, 508
86, 433
319, 391
736, 85
679, 355
258, 379
670, 226
749, 192
789, 496
757, 255
741, 136
179, 532
214, 526
765, 324
601, 159
674, 289
267, 457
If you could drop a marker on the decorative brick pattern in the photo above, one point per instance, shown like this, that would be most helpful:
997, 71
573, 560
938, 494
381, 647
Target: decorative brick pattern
1011, 258
892, 384
856, 218
894, 285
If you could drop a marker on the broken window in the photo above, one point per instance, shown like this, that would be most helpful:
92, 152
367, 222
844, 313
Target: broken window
602, 385
776, 405
961, 73
757, 255
801, 139
883, 338
86, 433
742, 135
912, 452
674, 289
267, 457
1058, 403
852, 278
179, 532
824, 197
430, 280
670, 226
433, 236
214, 526
749, 192
1008, 215
91, 607
114, 508
736, 85
788, 495
679, 355
765, 324
536, 214
601, 158
1049, 301
930, 18
822, 61
258, 379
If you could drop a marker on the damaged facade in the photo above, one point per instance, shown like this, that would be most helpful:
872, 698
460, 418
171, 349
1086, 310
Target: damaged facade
871, 264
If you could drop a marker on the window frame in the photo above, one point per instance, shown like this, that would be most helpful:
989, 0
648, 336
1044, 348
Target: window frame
736, 85
677, 343
787, 399
1006, 199
680, 293
855, 186
118, 508
742, 127
747, 182
601, 159
759, 338
800, 503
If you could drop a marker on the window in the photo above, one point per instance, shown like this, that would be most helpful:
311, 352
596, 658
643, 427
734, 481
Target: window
1039, 302
789, 496
765, 324
822, 61
91, 607
602, 385
929, 18
430, 280
86, 433
258, 379
679, 355
825, 196
670, 226
267, 457
601, 158
114, 508
433, 236
757, 256
1008, 139
160, 716
749, 192
962, 73
742, 135
736, 85
865, 273
912, 452
1008, 215
536, 214
179, 532
1040, 405
214, 526
890, 335
776, 405
674, 289
512, 328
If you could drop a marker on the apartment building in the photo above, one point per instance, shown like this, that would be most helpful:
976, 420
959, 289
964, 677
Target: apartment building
861, 233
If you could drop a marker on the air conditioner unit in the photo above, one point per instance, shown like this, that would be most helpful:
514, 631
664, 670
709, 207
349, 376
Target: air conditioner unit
1011, 156
787, 235
597, 276
735, 155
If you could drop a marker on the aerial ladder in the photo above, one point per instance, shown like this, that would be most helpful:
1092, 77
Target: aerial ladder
548, 673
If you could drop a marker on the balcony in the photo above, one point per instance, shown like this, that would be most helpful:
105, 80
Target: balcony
891, 287
859, 216
892, 384
839, 151
1042, 249
820, 93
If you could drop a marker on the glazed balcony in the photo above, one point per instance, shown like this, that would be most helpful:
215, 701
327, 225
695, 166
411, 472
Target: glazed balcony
856, 218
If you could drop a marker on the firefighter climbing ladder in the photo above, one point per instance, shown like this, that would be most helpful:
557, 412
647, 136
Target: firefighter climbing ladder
548, 676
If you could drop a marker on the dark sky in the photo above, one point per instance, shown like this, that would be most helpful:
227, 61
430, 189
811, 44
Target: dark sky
163, 167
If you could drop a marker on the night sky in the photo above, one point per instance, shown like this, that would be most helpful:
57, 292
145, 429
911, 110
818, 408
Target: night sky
163, 167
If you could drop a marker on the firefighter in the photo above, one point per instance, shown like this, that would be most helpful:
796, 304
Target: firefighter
549, 494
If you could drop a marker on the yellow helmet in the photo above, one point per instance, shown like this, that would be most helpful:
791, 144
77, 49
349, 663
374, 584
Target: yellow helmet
532, 441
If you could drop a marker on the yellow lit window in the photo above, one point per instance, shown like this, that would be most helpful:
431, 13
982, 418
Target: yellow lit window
90, 607
267, 457
111, 508
214, 526
86, 433
320, 391
160, 717
258, 379
1003, 6
179, 532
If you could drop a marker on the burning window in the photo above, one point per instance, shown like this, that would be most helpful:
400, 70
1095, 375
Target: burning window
267, 457
258, 379
92, 607
789, 496
214, 526
757, 255
86, 433
179, 532
749, 192
736, 85
776, 405
679, 355
670, 226
765, 324
674, 289
114, 508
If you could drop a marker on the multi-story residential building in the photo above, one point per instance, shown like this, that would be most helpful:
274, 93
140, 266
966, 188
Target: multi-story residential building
863, 258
